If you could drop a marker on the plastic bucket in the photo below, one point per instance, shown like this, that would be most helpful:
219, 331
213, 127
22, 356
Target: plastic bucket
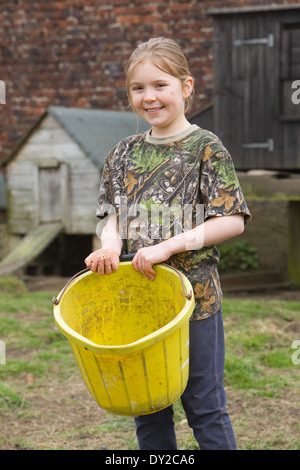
130, 336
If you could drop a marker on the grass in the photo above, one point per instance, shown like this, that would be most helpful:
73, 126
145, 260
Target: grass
44, 403
259, 346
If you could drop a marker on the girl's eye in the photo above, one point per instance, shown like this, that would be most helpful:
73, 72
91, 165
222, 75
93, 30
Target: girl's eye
136, 88
160, 85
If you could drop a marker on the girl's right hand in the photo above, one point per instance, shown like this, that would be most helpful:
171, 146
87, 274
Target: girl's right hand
147, 256
103, 261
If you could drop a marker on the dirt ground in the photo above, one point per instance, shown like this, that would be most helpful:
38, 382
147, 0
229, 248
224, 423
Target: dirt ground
61, 420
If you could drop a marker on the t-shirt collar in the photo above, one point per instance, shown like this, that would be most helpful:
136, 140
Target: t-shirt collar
171, 138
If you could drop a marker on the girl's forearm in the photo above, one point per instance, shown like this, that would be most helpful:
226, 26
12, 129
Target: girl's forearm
211, 232
110, 237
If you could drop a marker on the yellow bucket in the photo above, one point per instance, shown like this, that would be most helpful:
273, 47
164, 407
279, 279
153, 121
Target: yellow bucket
130, 336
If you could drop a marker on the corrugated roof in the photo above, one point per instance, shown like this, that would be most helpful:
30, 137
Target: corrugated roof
97, 131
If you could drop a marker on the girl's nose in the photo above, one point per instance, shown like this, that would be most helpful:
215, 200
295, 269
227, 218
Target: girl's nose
149, 96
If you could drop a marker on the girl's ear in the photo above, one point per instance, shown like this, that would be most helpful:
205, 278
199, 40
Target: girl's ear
188, 86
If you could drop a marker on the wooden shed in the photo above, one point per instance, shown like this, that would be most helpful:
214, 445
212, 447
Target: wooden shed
256, 113
53, 176
256, 77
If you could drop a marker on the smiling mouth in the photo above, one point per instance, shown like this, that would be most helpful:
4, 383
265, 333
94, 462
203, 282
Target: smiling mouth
153, 110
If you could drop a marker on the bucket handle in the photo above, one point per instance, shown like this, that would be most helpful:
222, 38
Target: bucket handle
125, 257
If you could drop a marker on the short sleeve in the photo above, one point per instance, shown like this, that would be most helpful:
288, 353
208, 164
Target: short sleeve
105, 196
220, 189
111, 184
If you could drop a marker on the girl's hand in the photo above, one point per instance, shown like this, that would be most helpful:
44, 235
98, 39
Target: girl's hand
146, 257
103, 261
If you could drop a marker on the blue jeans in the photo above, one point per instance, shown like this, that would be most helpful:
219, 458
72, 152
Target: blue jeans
204, 399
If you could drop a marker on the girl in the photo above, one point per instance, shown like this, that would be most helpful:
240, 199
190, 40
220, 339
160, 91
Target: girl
175, 164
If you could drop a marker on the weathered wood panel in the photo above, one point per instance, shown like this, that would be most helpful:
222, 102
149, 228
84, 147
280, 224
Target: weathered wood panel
33, 152
256, 56
50, 195
29, 247
59, 180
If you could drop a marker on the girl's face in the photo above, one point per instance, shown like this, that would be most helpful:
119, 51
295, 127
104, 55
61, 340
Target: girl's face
159, 98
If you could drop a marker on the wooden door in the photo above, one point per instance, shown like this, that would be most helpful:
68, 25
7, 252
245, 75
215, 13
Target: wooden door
53, 194
246, 89
50, 195
290, 90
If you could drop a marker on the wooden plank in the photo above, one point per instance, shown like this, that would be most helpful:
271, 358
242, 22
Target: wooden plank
20, 182
49, 136
65, 194
285, 56
260, 187
83, 166
34, 152
29, 248
49, 123
49, 195
295, 52
83, 226
295, 36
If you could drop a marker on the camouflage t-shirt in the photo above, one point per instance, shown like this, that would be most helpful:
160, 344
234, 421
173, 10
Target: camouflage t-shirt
162, 187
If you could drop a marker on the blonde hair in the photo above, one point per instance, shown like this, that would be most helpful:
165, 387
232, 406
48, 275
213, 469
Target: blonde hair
165, 54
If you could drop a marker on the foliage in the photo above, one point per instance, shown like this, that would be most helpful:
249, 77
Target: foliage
12, 285
238, 256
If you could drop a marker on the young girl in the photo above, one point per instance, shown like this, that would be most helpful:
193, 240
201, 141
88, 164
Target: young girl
182, 165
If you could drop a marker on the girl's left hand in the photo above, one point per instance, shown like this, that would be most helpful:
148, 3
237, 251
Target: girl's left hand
146, 257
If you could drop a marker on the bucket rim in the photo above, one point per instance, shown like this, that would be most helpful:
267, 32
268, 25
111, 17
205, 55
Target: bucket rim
142, 343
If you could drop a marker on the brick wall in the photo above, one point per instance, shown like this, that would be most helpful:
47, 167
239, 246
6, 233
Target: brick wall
73, 52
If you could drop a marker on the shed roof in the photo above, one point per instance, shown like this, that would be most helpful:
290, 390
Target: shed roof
96, 131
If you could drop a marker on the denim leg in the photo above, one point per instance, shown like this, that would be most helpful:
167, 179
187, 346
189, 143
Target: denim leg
204, 398
156, 431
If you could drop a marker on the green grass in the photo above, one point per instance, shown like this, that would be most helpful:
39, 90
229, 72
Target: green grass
259, 347
10, 399
44, 403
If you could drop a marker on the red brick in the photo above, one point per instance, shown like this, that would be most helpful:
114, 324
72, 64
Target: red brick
73, 52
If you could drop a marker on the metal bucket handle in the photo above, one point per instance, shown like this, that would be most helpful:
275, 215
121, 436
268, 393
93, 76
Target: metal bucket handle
125, 257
